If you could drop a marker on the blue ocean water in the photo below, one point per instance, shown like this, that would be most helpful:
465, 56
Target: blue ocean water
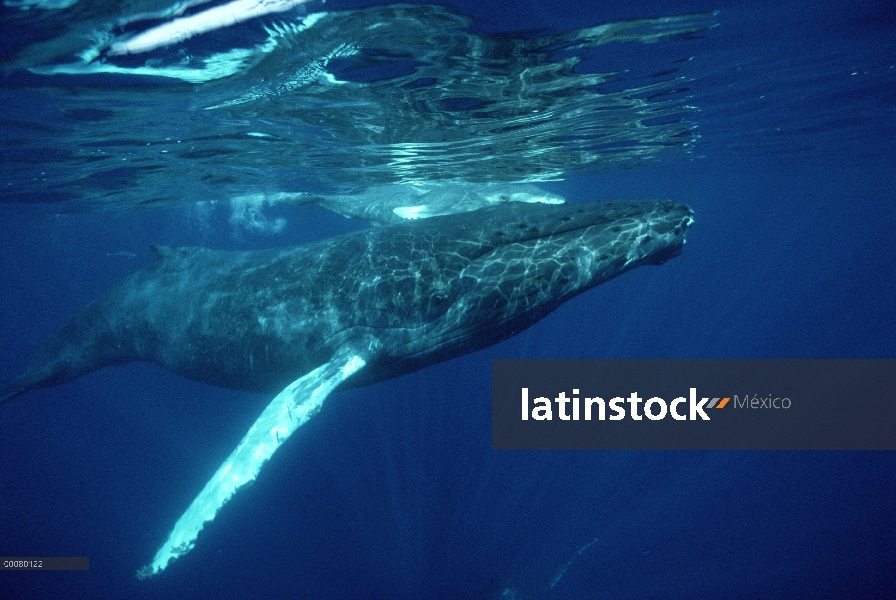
780, 135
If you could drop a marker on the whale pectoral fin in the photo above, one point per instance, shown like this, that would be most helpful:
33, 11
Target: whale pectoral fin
291, 409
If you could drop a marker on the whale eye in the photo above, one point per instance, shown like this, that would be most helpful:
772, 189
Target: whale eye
565, 219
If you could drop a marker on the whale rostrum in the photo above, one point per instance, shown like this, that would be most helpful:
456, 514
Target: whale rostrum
352, 310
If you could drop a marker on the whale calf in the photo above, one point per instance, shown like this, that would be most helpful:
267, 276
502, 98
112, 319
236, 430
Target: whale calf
347, 311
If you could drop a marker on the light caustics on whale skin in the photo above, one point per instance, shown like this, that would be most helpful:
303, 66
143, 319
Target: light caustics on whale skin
288, 411
338, 100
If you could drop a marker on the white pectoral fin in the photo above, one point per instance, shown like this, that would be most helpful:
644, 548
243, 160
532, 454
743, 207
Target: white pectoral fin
291, 409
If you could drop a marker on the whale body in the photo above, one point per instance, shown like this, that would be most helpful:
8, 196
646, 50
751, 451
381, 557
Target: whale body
352, 310
422, 291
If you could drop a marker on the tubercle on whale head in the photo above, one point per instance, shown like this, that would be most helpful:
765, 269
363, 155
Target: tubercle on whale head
663, 235
594, 244
538, 275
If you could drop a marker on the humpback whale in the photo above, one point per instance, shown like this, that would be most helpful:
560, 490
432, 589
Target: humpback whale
347, 311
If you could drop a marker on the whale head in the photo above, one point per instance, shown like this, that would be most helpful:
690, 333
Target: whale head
515, 263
